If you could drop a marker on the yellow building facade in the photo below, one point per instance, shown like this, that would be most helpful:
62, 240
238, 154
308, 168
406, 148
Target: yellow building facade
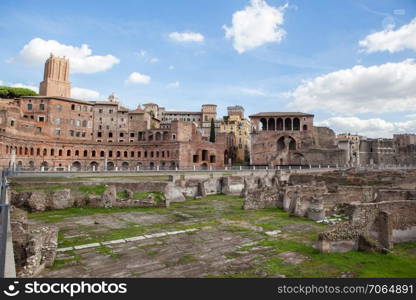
236, 124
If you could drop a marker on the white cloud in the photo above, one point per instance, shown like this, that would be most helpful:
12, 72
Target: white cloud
256, 25
136, 77
389, 87
391, 40
373, 128
171, 67
81, 59
81, 93
187, 37
175, 84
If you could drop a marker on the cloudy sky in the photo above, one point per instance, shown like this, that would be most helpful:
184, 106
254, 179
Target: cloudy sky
352, 63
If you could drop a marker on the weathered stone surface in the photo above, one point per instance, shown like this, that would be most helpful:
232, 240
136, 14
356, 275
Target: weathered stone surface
109, 196
34, 247
37, 201
60, 199
173, 194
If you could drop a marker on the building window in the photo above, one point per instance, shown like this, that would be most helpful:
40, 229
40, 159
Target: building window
100, 111
99, 134
42, 106
29, 106
41, 119
73, 107
57, 132
121, 134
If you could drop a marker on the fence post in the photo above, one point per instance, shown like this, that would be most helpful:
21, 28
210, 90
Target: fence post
241, 168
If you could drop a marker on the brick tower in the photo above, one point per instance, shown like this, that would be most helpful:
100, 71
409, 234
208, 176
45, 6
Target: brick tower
56, 78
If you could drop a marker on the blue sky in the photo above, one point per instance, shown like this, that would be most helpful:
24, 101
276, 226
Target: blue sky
288, 56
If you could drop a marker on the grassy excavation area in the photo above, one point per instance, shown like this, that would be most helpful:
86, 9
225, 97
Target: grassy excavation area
227, 242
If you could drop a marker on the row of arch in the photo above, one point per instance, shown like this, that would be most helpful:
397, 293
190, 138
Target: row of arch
280, 124
97, 166
154, 136
52, 152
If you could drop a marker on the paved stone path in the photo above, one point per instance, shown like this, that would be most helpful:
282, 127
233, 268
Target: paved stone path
194, 253
131, 239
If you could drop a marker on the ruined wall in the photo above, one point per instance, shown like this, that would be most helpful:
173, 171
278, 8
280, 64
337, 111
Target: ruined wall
372, 226
34, 246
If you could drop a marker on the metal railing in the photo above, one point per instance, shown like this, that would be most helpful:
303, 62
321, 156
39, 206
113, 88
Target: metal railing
198, 169
4, 220
139, 169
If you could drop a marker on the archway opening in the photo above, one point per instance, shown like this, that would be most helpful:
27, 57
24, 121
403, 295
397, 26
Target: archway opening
110, 166
76, 166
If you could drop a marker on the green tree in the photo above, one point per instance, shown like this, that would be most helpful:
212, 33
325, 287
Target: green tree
212, 132
12, 92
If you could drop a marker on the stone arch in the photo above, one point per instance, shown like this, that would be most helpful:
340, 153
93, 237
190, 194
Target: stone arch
263, 122
110, 166
279, 124
173, 165
292, 144
281, 144
305, 127
31, 164
94, 166
125, 166
45, 165
151, 165
271, 124
296, 124
225, 157
158, 136
76, 166
204, 166
166, 136
288, 124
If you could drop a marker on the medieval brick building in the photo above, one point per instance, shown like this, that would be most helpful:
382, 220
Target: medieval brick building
290, 138
55, 131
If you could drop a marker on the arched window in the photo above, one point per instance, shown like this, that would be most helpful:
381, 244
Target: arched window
85, 153
76, 152
68, 153
296, 124
288, 124
271, 124
263, 122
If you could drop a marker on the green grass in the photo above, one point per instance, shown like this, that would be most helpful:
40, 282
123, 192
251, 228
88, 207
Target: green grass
93, 189
29, 188
186, 259
223, 212
107, 251
359, 264
56, 216
60, 263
